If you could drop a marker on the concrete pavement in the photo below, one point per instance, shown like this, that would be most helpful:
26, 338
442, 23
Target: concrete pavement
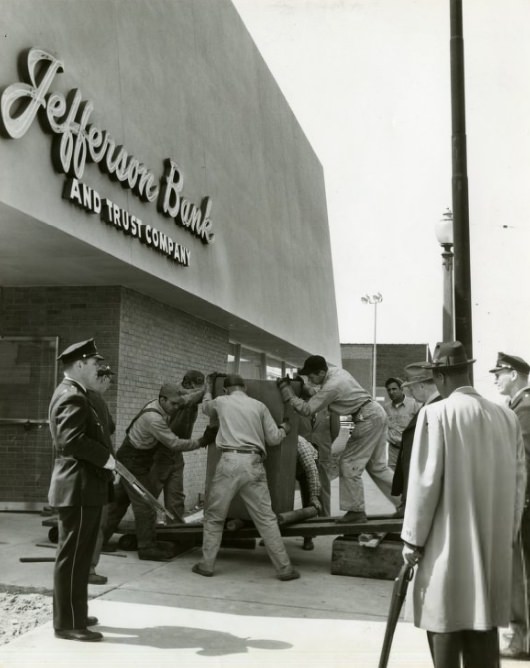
161, 614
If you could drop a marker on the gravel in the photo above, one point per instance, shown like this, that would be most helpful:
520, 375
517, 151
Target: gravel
21, 611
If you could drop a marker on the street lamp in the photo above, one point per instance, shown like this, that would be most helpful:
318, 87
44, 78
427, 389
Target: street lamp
374, 300
444, 233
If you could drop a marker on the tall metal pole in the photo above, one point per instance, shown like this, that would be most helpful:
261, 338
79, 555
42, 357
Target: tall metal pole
374, 365
462, 264
374, 300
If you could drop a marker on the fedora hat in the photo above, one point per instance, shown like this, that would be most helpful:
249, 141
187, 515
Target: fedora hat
416, 373
449, 355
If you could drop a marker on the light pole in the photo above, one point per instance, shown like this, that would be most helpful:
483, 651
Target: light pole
374, 300
443, 229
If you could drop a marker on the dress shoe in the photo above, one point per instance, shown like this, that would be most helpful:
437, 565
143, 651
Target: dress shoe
308, 544
399, 514
91, 621
95, 579
83, 635
290, 575
154, 554
352, 517
201, 571
108, 547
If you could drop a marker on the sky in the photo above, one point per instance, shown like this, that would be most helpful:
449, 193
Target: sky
369, 82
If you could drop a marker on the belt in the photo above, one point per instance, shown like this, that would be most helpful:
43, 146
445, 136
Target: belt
241, 452
354, 415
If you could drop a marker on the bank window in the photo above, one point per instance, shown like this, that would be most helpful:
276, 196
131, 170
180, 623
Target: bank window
232, 360
251, 364
274, 368
28, 375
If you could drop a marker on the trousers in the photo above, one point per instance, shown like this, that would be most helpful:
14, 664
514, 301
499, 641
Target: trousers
477, 649
365, 449
78, 530
167, 475
520, 611
139, 463
242, 474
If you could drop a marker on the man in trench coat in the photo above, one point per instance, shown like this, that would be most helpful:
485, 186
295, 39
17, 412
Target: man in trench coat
464, 505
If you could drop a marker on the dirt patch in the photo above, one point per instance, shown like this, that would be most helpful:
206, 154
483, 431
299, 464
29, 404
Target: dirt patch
21, 611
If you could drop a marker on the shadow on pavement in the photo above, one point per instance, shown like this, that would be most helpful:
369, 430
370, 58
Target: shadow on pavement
210, 642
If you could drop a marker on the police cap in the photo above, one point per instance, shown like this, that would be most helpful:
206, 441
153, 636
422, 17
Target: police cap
511, 363
79, 351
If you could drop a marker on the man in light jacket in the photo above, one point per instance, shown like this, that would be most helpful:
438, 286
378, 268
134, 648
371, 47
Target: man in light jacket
465, 500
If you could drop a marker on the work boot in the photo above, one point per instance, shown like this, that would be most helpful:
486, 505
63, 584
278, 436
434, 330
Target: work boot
352, 517
200, 570
290, 575
95, 579
154, 554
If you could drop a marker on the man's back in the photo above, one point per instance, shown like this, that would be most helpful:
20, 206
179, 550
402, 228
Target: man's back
460, 506
243, 421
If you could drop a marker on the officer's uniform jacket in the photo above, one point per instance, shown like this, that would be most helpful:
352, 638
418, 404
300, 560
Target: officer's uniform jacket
81, 451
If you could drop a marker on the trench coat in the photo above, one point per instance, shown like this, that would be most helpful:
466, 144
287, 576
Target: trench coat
465, 499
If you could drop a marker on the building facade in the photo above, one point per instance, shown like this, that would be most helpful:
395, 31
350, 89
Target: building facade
157, 194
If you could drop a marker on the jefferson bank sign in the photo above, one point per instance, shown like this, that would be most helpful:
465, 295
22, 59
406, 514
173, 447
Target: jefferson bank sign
76, 142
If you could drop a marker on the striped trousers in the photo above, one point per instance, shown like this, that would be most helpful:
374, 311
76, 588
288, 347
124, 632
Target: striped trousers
78, 532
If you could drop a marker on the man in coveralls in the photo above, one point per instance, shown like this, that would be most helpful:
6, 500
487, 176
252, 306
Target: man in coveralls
148, 430
79, 488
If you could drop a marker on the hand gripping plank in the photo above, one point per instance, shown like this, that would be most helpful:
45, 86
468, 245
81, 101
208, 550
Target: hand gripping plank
141, 490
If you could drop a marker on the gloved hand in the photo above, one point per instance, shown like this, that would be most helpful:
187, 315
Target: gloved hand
286, 426
210, 381
284, 385
110, 464
315, 501
208, 436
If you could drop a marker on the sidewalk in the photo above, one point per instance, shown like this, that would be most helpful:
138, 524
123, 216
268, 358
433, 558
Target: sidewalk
161, 614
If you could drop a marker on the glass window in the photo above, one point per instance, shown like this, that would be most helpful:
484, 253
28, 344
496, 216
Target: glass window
274, 368
250, 364
28, 374
232, 361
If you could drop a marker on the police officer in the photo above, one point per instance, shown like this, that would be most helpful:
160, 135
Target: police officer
79, 488
511, 379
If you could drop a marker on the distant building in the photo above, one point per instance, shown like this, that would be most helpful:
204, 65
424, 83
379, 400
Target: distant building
391, 359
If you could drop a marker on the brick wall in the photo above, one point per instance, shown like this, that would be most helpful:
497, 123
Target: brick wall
159, 343
145, 341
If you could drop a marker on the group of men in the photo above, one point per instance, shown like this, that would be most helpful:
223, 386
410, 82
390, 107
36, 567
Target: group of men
460, 482
82, 490
461, 471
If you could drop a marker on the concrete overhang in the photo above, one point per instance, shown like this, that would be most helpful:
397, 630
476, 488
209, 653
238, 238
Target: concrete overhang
33, 253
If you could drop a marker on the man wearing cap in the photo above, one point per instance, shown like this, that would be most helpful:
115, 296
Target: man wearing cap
246, 427
366, 448
420, 384
400, 410
147, 431
79, 488
511, 379
463, 512
104, 380
167, 472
